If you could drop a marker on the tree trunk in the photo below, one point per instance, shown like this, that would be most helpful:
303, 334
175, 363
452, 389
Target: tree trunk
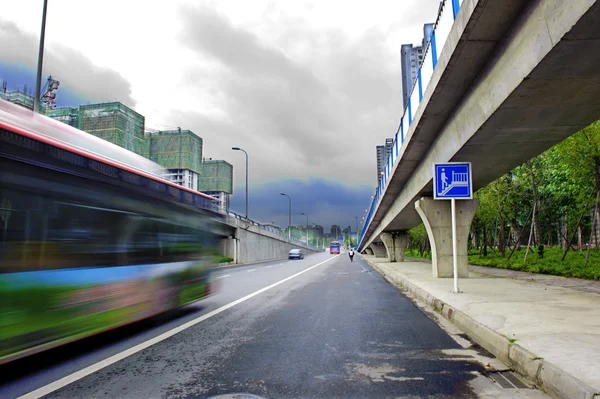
593, 229
579, 239
577, 230
565, 231
514, 233
501, 239
533, 211
476, 239
537, 237
558, 230
484, 242
597, 216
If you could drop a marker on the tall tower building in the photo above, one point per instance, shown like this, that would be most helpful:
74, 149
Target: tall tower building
383, 151
411, 58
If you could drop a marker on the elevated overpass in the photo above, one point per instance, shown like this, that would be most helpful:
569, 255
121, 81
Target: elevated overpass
502, 81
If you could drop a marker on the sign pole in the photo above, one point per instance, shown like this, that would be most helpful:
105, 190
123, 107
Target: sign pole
454, 245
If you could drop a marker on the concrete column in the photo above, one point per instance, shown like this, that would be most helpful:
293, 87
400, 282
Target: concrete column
395, 244
379, 250
369, 251
230, 248
437, 217
401, 244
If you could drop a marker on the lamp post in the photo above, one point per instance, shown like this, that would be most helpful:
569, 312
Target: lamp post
239, 149
306, 226
38, 80
290, 217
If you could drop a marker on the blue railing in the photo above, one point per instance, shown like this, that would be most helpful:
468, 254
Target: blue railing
268, 228
445, 19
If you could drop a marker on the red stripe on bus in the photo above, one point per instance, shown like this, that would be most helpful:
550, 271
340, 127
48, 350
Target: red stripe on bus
86, 154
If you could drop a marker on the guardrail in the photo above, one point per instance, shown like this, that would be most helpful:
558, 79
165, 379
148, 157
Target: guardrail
441, 30
269, 228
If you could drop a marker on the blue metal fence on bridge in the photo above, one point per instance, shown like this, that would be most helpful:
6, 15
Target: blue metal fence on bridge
445, 19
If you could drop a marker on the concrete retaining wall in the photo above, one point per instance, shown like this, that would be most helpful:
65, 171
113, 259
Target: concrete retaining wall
251, 244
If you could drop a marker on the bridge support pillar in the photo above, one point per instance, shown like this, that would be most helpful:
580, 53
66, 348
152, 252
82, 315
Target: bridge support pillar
369, 251
379, 250
395, 244
230, 248
437, 217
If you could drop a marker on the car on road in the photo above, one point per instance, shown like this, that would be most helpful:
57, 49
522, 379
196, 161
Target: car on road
296, 254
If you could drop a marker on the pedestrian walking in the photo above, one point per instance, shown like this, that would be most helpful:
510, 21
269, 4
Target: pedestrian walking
351, 254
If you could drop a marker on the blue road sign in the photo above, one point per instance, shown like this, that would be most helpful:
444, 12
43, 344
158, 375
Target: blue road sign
452, 180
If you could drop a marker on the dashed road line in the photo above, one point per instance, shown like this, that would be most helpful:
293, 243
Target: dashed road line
227, 275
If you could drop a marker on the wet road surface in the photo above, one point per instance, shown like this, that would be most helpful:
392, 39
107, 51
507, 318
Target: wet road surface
321, 327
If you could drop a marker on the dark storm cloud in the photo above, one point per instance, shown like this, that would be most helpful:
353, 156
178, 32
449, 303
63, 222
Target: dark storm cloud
318, 114
325, 202
72, 68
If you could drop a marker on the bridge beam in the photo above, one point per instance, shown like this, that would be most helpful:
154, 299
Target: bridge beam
369, 251
437, 217
395, 244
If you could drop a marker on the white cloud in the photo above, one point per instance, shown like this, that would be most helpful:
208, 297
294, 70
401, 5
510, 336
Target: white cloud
308, 88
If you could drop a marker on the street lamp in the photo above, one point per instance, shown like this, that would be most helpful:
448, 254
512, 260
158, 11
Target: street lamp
38, 80
290, 217
355, 217
239, 149
306, 226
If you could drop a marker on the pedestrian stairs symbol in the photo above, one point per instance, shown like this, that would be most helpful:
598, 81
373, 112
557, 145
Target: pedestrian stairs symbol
457, 180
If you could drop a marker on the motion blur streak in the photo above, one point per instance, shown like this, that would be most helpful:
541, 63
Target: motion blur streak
89, 245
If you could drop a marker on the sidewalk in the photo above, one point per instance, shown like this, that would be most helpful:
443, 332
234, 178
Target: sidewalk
545, 327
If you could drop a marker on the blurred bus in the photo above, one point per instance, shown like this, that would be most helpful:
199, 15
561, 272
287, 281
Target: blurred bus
91, 238
334, 247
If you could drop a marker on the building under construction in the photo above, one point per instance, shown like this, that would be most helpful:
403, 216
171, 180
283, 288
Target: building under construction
18, 97
67, 115
179, 151
216, 179
111, 121
114, 122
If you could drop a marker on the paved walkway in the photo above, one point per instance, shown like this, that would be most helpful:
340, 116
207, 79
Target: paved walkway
555, 320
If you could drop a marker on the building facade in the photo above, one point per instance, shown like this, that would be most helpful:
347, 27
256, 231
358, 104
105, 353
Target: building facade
411, 58
317, 230
180, 152
216, 179
113, 122
383, 152
335, 232
18, 97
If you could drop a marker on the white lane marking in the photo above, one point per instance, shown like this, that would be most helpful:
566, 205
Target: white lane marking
227, 275
250, 271
269, 267
53, 386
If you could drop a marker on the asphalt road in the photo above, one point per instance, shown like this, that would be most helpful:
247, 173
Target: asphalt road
321, 327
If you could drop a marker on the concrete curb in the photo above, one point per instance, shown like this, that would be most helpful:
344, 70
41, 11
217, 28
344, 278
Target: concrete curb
550, 378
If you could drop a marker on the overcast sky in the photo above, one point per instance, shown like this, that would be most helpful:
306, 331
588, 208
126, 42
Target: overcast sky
307, 88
